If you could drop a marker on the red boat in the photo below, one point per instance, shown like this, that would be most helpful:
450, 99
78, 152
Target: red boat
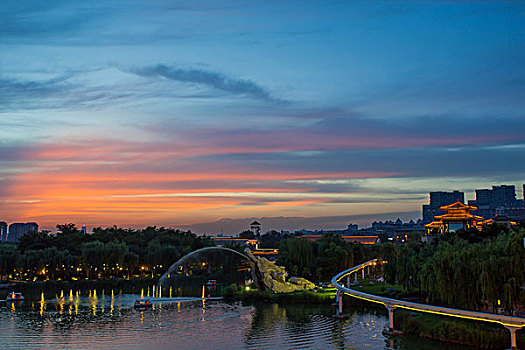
14, 297
142, 304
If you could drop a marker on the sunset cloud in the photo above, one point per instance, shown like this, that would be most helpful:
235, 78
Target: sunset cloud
139, 114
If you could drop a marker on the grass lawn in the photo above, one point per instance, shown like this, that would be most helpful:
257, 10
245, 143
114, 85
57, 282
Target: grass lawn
381, 289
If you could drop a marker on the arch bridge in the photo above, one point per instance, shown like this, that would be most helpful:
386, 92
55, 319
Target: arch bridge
510, 322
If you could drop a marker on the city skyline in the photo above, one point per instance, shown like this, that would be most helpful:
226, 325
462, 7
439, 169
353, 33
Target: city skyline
132, 114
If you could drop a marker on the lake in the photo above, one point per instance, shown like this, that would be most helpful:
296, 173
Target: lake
107, 320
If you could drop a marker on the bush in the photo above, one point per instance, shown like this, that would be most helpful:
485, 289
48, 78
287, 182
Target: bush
230, 291
480, 335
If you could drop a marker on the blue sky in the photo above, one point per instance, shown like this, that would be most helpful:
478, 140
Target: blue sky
174, 113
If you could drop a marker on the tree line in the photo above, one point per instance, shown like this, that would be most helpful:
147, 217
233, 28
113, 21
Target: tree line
468, 269
106, 253
320, 260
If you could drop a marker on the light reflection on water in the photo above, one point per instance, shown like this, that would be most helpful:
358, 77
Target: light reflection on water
109, 321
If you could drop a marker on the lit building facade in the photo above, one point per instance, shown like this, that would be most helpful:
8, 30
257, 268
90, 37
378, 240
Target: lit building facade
457, 216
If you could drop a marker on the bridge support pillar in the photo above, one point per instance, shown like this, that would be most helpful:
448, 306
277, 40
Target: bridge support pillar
348, 281
391, 330
363, 273
339, 306
390, 317
513, 343
355, 274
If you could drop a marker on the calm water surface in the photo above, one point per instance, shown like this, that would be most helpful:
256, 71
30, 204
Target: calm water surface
106, 321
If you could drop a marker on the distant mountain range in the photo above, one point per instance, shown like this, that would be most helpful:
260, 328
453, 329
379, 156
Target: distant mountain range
229, 226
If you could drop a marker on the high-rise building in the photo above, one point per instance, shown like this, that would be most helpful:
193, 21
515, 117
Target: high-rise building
504, 196
438, 199
483, 202
18, 229
3, 231
500, 200
483, 197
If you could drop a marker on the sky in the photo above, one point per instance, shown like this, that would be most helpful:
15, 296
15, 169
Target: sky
303, 113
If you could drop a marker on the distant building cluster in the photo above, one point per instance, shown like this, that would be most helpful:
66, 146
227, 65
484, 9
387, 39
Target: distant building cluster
498, 201
351, 239
448, 212
389, 228
16, 230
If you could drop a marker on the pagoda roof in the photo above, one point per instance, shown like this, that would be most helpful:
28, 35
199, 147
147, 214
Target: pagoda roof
434, 224
458, 216
500, 219
255, 223
458, 206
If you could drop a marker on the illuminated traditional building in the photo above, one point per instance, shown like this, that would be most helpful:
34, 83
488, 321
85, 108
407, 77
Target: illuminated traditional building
457, 216
501, 220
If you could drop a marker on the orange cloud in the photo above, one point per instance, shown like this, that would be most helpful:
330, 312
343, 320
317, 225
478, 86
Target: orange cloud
120, 183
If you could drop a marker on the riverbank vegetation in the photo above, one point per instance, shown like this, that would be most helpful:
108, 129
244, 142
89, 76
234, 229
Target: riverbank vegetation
481, 335
320, 260
250, 293
106, 253
469, 269
479, 274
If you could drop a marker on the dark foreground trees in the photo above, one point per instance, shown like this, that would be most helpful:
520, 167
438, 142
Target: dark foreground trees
321, 260
468, 269
106, 253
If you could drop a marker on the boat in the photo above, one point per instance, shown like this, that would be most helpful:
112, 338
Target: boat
211, 283
14, 297
142, 304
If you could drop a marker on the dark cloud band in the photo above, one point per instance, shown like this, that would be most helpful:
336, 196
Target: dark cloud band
208, 78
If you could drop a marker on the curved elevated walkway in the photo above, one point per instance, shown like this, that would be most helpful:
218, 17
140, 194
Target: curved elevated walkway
510, 322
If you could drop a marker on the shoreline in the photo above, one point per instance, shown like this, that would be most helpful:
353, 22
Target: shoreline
442, 329
131, 286
446, 330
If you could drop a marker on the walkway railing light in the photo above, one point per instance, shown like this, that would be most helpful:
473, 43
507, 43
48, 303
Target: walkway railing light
510, 322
